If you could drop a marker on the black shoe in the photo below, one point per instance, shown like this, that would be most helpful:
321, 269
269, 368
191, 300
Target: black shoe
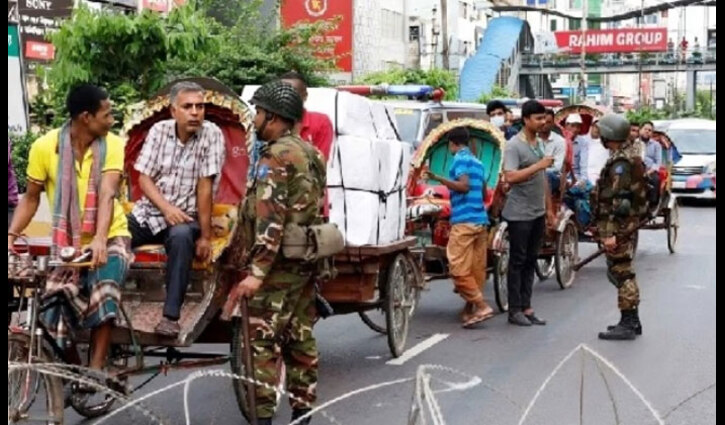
635, 321
298, 413
637, 329
626, 330
264, 421
519, 319
535, 320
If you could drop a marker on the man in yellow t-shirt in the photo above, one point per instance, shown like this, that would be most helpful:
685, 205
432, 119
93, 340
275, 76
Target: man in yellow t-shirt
79, 167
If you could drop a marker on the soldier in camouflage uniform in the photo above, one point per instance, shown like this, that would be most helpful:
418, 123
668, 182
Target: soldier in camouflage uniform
288, 187
620, 202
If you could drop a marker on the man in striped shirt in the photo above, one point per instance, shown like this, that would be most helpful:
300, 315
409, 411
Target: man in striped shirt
179, 164
467, 243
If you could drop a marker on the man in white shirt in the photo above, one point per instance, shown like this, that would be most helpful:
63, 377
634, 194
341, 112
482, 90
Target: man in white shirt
598, 154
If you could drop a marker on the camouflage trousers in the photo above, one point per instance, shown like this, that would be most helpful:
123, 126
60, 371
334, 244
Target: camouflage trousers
282, 315
620, 272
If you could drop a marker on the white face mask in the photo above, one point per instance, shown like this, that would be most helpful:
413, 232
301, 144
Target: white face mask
498, 121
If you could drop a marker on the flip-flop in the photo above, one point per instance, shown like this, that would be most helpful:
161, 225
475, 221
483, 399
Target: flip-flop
478, 319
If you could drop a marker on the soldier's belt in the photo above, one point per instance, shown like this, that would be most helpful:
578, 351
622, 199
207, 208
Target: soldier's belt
311, 243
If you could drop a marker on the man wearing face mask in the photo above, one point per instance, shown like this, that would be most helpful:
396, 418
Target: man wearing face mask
497, 113
287, 189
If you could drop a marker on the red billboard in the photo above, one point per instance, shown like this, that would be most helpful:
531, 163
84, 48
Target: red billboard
613, 41
299, 11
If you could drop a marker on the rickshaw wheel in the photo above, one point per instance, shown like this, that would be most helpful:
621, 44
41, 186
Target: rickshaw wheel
370, 323
545, 268
24, 385
375, 320
237, 365
500, 274
567, 253
399, 303
673, 225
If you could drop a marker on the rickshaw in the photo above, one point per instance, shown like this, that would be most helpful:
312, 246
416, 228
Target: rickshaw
134, 342
429, 202
665, 214
559, 252
376, 277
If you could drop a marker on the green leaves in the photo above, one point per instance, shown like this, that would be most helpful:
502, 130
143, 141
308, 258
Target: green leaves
132, 56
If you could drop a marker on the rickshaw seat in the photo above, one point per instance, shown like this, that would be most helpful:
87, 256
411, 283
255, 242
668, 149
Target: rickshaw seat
223, 222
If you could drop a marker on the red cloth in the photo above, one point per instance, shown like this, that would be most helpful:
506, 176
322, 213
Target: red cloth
316, 128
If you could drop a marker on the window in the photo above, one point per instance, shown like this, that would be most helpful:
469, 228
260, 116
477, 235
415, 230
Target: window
392, 24
414, 33
463, 9
434, 120
553, 25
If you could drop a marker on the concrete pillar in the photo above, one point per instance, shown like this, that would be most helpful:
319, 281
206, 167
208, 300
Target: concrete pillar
691, 90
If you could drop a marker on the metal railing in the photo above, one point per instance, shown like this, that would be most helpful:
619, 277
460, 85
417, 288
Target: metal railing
567, 60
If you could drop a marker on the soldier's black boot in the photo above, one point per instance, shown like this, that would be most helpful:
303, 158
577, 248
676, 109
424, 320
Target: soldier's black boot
625, 330
637, 327
298, 413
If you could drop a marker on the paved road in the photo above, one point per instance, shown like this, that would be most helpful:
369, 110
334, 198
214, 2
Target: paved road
674, 360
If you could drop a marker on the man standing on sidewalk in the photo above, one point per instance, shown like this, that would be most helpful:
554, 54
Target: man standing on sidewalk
468, 239
526, 208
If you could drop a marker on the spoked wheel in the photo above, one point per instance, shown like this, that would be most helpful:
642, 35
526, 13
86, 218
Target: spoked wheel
545, 268
500, 274
399, 303
237, 366
375, 319
412, 287
372, 319
673, 226
567, 253
33, 396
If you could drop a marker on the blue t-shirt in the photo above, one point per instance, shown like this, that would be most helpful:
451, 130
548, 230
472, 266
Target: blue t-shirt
468, 208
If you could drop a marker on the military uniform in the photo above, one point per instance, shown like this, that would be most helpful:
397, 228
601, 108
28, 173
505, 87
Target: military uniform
288, 187
620, 202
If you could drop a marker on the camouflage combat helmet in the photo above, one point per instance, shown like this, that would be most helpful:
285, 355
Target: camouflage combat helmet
280, 99
613, 128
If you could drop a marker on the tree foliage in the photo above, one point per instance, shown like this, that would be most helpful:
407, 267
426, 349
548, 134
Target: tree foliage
435, 78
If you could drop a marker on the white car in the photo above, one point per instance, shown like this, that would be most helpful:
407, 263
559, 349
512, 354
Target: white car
416, 119
694, 175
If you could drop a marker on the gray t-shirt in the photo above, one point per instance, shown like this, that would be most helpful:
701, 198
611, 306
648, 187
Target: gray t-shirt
525, 201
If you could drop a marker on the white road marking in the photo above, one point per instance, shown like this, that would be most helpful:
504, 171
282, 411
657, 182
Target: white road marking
422, 346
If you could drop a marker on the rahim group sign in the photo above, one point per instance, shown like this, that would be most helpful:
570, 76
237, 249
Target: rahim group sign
613, 41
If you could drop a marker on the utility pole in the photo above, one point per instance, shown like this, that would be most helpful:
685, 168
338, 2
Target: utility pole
641, 25
583, 76
444, 30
